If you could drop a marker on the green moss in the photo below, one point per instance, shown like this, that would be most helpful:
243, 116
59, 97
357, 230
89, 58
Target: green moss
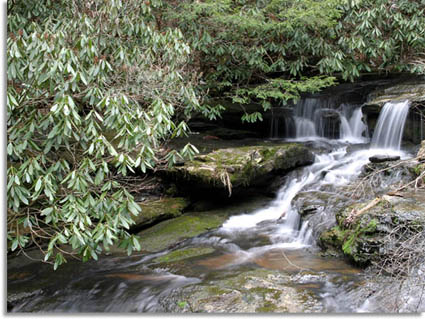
174, 230
160, 208
333, 237
353, 238
184, 254
243, 164
217, 291
419, 169
266, 307
347, 246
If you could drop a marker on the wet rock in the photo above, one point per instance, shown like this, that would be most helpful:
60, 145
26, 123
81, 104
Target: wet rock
170, 232
254, 291
412, 90
231, 134
238, 168
155, 210
367, 238
383, 158
15, 298
311, 202
310, 209
184, 253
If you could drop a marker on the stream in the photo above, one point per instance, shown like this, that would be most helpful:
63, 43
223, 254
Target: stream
263, 259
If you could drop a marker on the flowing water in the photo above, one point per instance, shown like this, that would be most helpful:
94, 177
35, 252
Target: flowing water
390, 126
273, 238
314, 118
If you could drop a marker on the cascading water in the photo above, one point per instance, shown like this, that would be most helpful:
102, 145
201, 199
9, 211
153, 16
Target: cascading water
358, 127
390, 126
319, 118
260, 238
305, 117
304, 127
329, 170
353, 130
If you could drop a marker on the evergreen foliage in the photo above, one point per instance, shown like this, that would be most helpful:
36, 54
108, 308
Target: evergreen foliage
94, 91
245, 46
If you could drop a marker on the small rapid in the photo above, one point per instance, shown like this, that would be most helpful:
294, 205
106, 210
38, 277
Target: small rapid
275, 237
328, 171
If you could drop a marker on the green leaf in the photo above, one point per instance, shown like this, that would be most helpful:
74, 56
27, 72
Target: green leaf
38, 185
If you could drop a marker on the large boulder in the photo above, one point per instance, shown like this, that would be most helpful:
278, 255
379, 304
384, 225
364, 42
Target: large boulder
173, 231
231, 169
169, 233
372, 235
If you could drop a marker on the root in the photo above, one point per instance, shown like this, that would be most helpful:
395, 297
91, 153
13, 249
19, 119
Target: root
225, 179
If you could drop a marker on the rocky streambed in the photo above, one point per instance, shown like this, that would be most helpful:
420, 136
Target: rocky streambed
290, 253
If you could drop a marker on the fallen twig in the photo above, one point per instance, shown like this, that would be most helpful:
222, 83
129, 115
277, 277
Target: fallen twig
356, 213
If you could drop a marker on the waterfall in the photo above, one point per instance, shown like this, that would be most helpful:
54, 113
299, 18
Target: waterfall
282, 123
304, 127
305, 117
357, 125
390, 126
345, 129
315, 117
352, 130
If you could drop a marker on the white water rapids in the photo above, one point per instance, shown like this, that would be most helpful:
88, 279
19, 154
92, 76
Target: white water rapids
329, 170
338, 168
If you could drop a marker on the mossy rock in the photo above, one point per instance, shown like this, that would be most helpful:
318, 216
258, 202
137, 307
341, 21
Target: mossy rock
240, 167
172, 231
159, 209
366, 239
252, 291
184, 253
332, 238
